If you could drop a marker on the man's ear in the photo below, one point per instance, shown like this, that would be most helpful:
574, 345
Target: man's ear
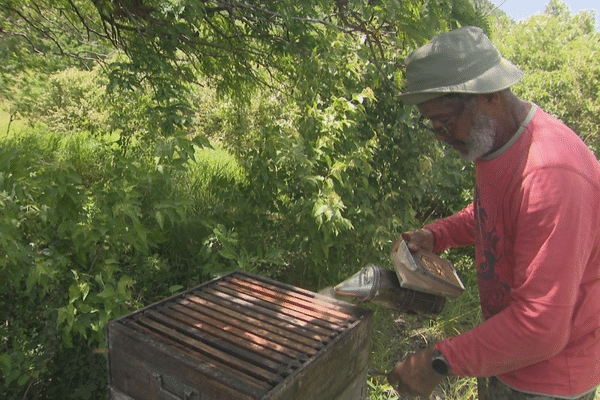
488, 102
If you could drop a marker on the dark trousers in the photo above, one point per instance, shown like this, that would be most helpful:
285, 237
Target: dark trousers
494, 389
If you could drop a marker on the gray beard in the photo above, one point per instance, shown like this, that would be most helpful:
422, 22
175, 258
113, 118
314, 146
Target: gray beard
482, 135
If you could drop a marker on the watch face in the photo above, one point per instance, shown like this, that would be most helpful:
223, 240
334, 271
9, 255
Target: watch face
440, 366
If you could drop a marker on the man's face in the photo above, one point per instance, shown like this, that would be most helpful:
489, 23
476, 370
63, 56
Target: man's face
462, 125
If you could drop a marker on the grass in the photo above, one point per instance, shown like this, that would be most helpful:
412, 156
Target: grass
209, 174
396, 334
17, 126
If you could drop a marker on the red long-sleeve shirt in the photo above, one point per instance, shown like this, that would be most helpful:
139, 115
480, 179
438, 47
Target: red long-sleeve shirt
535, 222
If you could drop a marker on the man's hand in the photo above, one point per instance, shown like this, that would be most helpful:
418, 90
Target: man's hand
414, 375
415, 240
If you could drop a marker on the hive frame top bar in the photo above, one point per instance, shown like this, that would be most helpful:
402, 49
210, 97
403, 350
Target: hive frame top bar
332, 302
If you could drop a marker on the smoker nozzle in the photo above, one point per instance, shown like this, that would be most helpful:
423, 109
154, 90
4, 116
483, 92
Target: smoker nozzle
381, 286
363, 285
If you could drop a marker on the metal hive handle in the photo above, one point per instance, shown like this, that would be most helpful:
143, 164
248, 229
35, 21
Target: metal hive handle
169, 386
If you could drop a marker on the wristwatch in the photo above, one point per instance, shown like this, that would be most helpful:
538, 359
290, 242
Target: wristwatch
439, 364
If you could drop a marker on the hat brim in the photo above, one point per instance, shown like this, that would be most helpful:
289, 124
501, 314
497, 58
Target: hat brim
500, 77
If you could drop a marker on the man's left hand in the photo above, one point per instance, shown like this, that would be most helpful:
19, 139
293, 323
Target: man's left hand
414, 375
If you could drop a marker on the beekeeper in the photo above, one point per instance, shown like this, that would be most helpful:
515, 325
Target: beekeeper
534, 221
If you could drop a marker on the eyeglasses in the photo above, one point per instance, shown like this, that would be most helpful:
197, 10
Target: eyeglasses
427, 124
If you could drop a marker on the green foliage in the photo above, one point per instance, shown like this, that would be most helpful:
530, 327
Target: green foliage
559, 54
44, 37
486, 7
79, 227
68, 100
108, 204
331, 182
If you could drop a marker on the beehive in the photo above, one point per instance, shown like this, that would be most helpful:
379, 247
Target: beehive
243, 337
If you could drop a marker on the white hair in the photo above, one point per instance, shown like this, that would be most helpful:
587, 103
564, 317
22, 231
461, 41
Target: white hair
482, 136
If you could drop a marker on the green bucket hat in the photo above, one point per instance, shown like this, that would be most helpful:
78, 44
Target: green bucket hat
460, 61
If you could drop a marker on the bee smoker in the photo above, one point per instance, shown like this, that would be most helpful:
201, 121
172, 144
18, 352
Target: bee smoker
419, 283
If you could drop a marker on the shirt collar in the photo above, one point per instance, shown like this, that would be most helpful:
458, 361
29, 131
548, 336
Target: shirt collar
514, 138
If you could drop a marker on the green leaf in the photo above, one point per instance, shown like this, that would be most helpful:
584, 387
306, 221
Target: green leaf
23, 379
84, 288
175, 289
228, 253
124, 287
32, 279
73, 293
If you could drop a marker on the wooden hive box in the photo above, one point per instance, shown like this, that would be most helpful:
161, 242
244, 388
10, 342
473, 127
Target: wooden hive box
242, 337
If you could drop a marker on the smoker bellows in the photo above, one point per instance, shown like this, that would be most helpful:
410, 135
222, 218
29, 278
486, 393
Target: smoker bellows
420, 283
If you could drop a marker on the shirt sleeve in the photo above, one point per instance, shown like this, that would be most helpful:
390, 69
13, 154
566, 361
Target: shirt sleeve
454, 231
555, 217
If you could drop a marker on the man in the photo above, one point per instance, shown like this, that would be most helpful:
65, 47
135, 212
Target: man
534, 222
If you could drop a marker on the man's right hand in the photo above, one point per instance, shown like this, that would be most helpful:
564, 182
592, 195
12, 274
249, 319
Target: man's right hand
415, 240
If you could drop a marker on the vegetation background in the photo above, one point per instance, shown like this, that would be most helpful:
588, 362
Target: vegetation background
148, 146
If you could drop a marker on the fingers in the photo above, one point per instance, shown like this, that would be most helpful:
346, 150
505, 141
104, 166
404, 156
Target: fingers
414, 375
396, 245
413, 240
393, 380
416, 240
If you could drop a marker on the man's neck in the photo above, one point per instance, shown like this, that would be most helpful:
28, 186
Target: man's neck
511, 120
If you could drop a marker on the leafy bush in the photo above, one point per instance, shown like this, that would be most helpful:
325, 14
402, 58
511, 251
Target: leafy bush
330, 183
79, 225
558, 52
312, 178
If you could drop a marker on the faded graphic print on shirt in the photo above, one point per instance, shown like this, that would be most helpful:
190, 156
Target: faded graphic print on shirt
494, 292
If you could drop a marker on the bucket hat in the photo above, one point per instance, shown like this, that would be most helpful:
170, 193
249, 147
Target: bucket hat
460, 61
